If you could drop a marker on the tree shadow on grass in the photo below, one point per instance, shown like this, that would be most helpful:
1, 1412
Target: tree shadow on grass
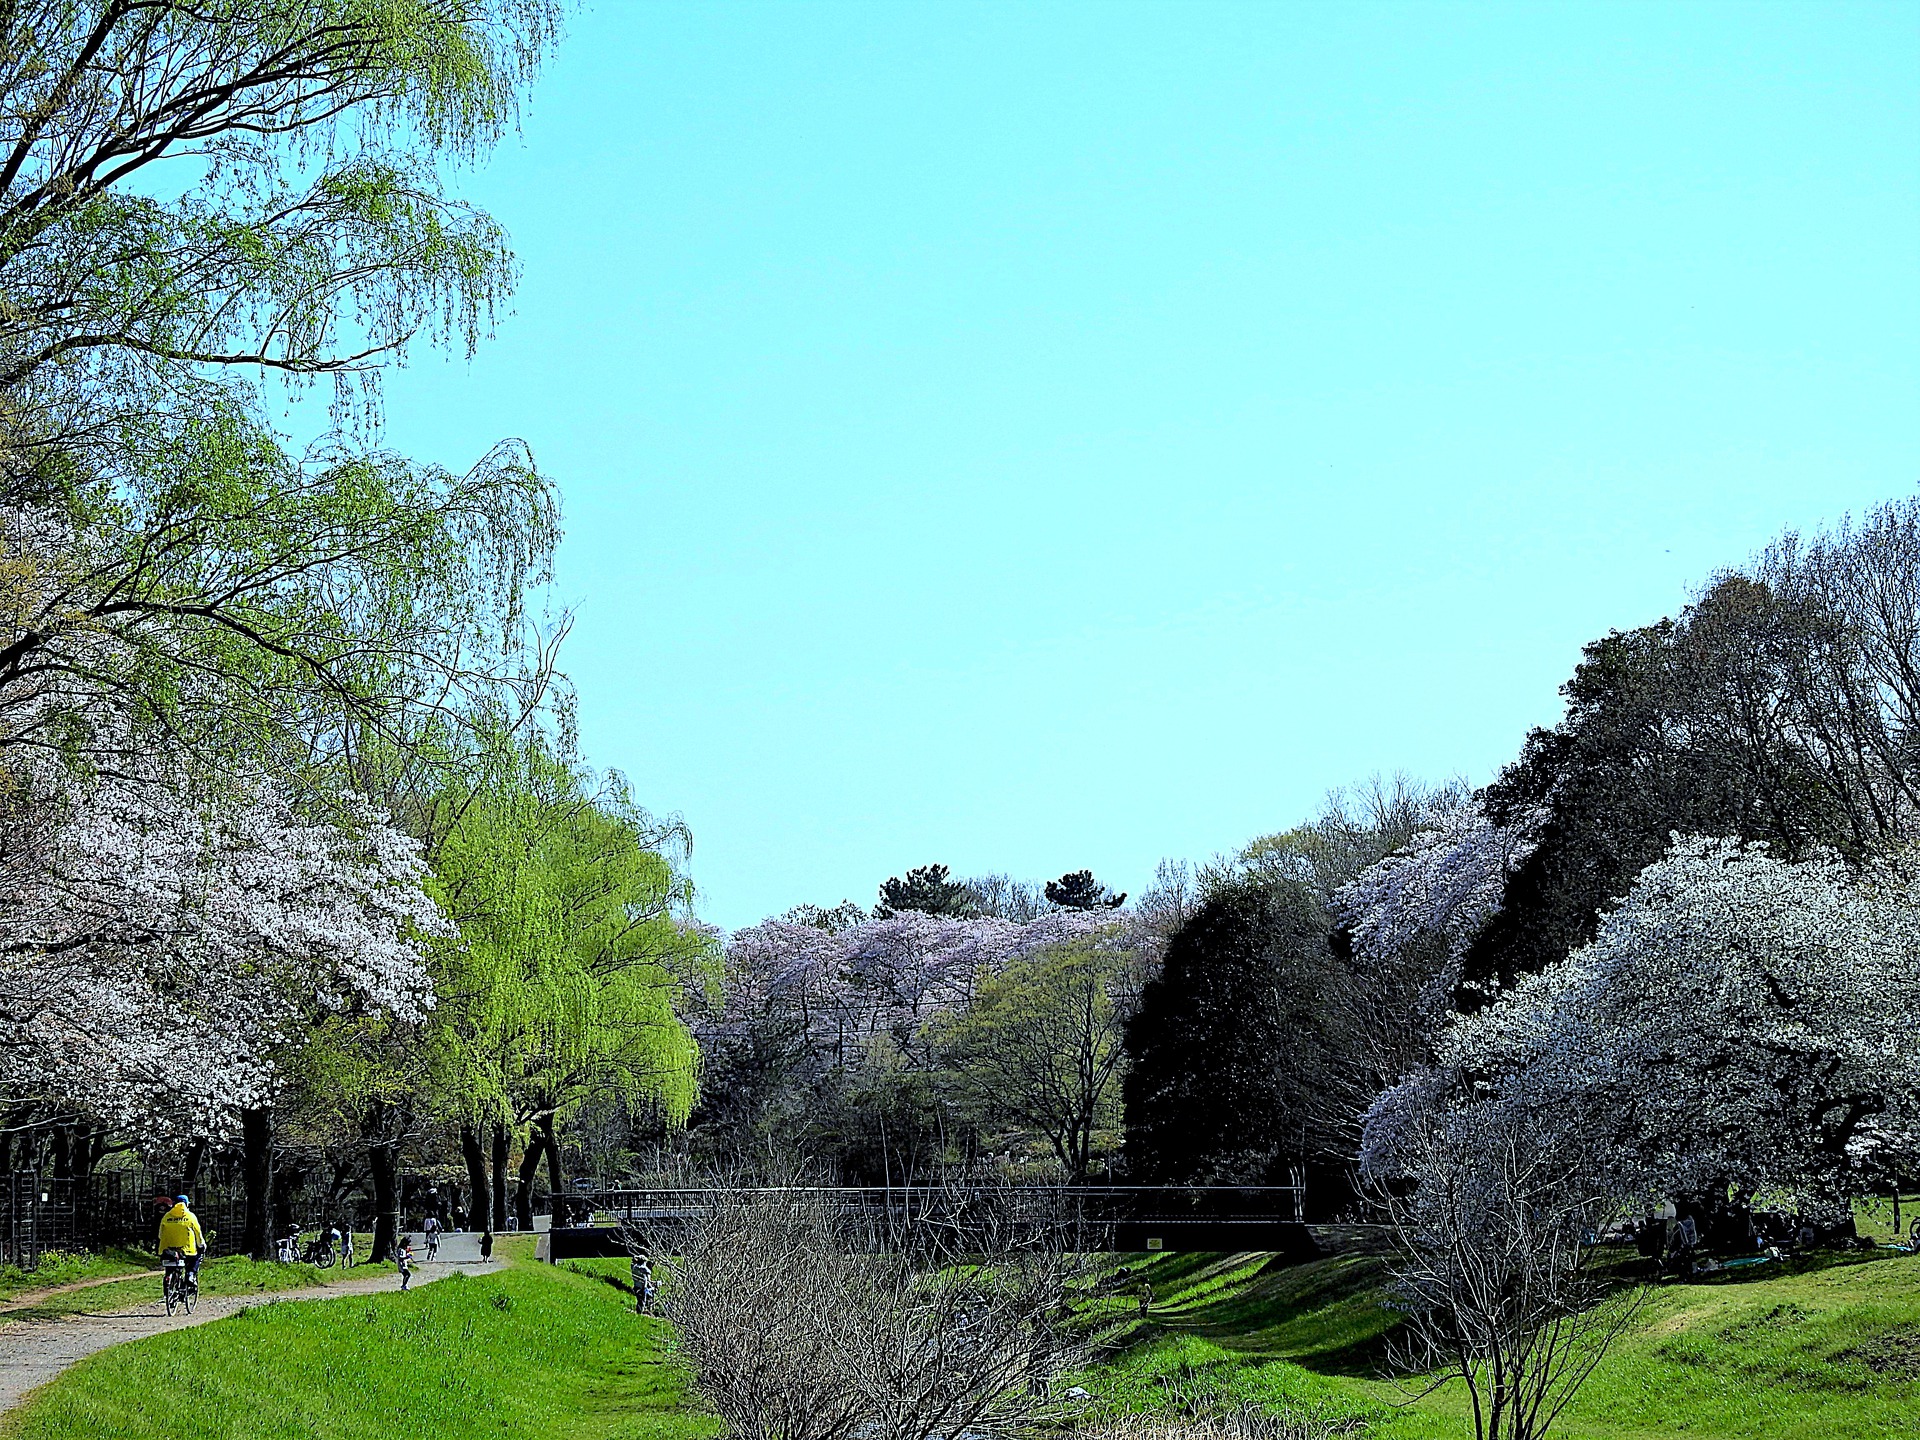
1327, 1315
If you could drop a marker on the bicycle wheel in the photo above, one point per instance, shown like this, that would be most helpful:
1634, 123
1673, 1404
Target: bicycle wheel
325, 1262
170, 1292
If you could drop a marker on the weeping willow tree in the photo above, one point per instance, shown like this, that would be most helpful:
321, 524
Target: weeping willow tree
195, 200
198, 202
576, 941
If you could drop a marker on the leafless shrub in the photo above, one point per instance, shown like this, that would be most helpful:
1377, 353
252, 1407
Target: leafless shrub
798, 1320
1193, 1404
1245, 1423
1495, 1229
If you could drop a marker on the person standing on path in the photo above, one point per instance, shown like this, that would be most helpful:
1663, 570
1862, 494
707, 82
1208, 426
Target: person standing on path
404, 1259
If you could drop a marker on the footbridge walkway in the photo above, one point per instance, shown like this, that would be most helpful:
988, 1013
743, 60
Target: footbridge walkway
1115, 1218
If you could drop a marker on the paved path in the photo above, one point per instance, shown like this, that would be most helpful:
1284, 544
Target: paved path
32, 1352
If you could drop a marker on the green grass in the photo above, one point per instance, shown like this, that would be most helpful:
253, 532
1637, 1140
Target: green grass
531, 1351
1826, 1352
228, 1275
1874, 1218
66, 1267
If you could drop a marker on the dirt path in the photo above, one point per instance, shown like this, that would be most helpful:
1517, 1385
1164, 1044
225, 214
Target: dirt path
33, 1352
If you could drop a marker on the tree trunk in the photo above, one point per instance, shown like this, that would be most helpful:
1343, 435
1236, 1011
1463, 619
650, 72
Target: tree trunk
523, 1197
501, 1220
479, 1212
256, 1168
190, 1167
556, 1181
286, 1176
383, 1169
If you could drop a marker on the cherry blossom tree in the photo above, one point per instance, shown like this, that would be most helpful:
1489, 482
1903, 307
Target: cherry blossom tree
1444, 884
1405, 924
167, 949
803, 1009
1740, 1023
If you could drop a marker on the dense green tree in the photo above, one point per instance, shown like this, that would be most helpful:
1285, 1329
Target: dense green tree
1078, 890
927, 889
1228, 1054
1040, 1048
171, 563
1674, 727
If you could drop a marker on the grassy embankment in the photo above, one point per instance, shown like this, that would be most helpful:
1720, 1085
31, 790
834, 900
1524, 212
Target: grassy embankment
1829, 1351
531, 1351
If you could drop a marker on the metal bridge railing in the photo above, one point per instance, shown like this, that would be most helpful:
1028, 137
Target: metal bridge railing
1169, 1205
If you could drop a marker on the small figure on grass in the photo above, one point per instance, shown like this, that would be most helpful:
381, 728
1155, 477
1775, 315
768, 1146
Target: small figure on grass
404, 1259
1146, 1299
642, 1269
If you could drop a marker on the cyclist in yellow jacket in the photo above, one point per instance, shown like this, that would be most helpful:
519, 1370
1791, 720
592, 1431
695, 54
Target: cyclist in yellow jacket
180, 1230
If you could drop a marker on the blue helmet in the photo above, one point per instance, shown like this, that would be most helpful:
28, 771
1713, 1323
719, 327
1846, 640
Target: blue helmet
180, 1200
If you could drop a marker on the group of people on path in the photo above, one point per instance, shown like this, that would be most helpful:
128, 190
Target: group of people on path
180, 1232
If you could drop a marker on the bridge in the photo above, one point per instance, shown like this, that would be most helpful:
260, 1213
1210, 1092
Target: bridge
1106, 1218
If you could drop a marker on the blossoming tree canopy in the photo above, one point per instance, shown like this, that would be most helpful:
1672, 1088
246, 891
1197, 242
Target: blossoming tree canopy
1740, 1021
1445, 883
165, 945
885, 976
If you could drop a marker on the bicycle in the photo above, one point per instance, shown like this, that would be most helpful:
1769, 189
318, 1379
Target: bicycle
179, 1286
319, 1252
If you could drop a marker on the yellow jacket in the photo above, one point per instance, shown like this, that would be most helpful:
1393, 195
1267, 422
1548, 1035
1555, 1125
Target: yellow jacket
180, 1230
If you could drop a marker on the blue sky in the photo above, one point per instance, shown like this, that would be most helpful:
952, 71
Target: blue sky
1044, 436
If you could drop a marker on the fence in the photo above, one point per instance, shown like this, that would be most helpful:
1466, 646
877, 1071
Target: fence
39, 1213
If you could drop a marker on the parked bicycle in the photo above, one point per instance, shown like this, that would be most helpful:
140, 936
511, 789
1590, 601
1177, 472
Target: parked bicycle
179, 1286
319, 1251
